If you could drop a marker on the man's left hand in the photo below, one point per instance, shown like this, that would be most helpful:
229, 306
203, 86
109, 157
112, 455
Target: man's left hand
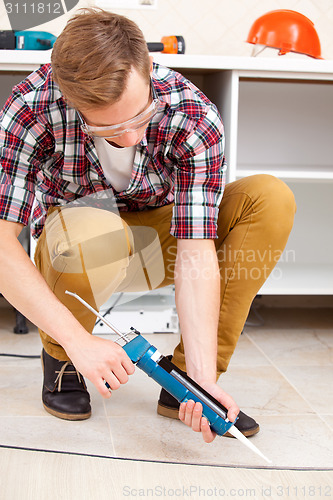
191, 413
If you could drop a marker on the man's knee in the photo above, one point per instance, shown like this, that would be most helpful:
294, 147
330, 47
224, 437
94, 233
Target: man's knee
278, 199
271, 198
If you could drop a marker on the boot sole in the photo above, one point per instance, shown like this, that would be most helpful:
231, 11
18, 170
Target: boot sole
168, 411
67, 416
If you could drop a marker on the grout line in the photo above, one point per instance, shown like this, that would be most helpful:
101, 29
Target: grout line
289, 382
108, 423
143, 460
328, 425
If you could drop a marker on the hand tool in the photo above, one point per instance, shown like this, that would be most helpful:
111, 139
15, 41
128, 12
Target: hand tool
168, 45
178, 384
26, 40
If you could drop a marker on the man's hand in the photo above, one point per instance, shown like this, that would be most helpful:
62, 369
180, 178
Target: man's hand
101, 361
191, 413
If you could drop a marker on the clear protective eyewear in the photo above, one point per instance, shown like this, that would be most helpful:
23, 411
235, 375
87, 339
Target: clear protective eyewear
112, 131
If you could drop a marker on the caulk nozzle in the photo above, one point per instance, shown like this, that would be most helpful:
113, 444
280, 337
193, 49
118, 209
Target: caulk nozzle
237, 434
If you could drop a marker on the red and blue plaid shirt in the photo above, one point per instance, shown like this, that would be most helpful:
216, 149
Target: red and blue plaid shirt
46, 159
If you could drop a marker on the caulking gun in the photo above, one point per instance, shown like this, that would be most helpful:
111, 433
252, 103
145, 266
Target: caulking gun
179, 385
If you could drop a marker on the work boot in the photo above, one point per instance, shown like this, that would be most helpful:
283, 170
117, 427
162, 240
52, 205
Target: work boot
168, 406
64, 393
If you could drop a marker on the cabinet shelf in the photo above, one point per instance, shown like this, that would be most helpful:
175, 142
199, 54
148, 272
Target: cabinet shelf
292, 172
299, 279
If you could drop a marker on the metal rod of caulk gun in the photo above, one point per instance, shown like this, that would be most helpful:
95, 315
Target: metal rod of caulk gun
88, 306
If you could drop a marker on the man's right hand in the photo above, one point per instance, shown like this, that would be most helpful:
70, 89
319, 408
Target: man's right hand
101, 361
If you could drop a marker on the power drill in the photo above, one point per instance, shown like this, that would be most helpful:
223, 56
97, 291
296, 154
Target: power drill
26, 40
168, 45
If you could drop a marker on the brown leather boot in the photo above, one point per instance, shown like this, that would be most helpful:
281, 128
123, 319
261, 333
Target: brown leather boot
64, 393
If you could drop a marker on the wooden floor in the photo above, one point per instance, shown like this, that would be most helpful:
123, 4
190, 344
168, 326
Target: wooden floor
31, 475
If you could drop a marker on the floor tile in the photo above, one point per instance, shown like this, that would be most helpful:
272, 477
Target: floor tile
21, 389
264, 391
247, 354
296, 441
287, 441
328, 419
137, 398
160, 438
314, 383
295, 347
91, 436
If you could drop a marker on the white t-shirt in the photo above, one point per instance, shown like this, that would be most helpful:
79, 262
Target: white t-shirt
117, 163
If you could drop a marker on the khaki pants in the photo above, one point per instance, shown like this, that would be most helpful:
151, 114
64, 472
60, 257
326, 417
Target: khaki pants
255, 218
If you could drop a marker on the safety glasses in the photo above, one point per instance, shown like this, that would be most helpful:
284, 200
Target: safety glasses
112, 131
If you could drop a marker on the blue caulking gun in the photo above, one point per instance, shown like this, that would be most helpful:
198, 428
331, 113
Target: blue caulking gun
178, 384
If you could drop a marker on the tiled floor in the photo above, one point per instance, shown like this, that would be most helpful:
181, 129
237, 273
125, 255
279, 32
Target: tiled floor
281, 374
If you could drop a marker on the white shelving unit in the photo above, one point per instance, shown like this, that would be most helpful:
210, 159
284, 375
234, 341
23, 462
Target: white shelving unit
278, 117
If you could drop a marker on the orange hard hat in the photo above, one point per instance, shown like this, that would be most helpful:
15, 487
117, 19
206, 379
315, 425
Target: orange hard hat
288, 31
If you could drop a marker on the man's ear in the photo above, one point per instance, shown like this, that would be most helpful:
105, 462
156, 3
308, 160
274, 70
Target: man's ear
151, 64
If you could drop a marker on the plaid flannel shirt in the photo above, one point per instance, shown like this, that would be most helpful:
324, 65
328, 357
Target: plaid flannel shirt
46, 159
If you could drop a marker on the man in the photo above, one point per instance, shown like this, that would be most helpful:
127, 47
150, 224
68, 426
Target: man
103, 118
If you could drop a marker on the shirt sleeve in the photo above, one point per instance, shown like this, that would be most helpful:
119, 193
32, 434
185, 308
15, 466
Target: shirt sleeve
23, 146
200, 179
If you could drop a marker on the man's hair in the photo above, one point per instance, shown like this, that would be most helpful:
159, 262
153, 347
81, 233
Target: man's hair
93, 56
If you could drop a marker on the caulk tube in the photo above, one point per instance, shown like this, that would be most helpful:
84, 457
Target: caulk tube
180, 386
